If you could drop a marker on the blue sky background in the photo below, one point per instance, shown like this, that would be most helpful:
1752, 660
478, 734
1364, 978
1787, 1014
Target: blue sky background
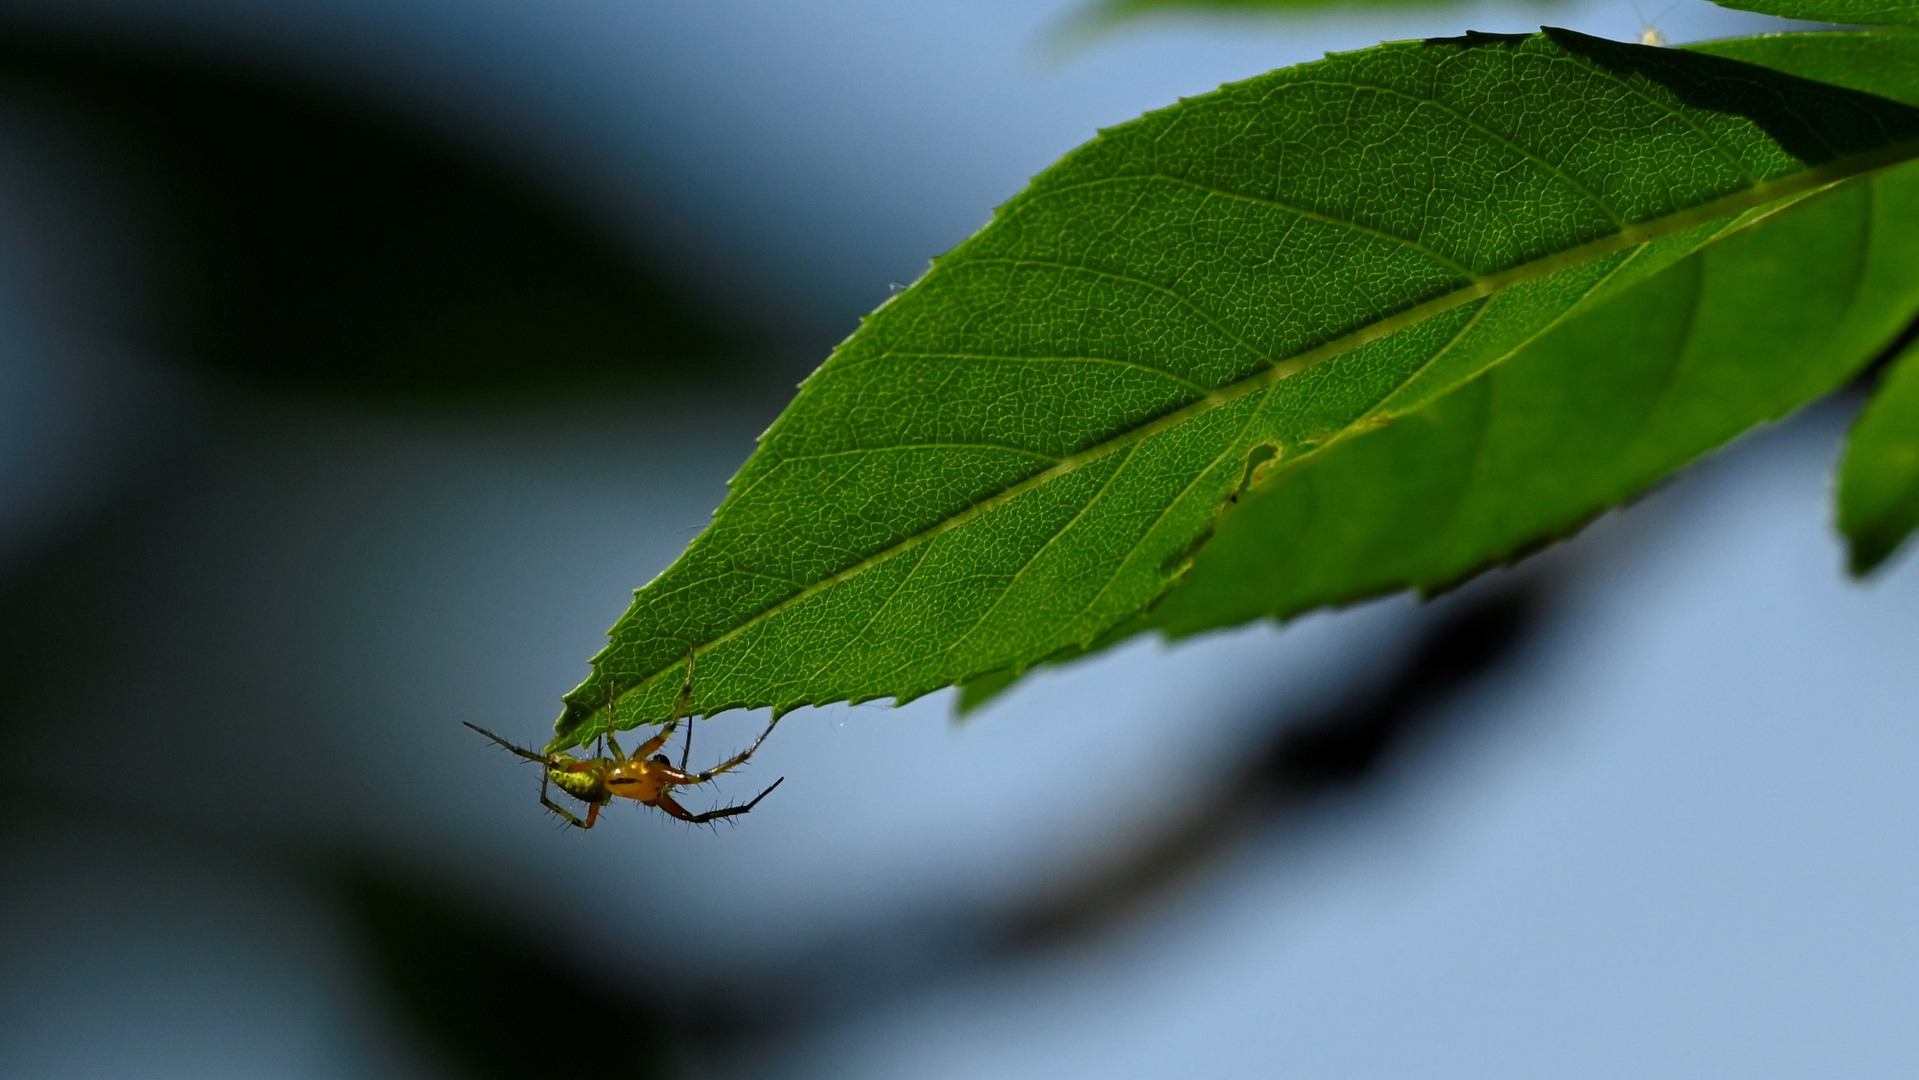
1676, 841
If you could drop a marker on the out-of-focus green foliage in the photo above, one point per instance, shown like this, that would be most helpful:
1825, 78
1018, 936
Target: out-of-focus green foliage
1879, 482
1021, 453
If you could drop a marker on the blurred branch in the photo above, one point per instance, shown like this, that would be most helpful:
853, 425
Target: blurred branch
490, 1001
1344, 749
329, 247
1095, 18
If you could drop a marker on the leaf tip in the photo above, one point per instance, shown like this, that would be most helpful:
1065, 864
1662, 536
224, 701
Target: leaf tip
1867, 551
977, 692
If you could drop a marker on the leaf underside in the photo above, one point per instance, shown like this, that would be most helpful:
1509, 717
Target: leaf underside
1595, 411
1879, 479
1023, 452
1592, 413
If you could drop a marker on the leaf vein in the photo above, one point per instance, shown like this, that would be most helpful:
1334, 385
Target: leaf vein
1184, 301
1262, 200
1014, 357
825, 455
1499, 137
1028, 562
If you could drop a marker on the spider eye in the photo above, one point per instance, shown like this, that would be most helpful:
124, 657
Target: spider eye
660, 759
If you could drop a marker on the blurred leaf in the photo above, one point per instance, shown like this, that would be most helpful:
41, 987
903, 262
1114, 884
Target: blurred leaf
1846, 12
1879, 482
330, 247
1110, 12
1022, 451
494, 1004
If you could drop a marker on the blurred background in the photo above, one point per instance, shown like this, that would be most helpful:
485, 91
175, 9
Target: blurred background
358, 358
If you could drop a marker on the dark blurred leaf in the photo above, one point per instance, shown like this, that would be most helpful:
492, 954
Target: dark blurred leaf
1117, 10
1104, 14
494, 1003
1879, 482
332, 248
1340, 748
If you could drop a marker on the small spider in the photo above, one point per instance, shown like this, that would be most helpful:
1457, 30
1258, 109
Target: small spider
1649, 34
645, 777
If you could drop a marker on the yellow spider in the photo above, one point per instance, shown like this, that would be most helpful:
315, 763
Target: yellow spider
646, 777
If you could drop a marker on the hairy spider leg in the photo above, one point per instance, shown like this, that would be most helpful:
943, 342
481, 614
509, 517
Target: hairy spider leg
666, 803
593, 809
520, 750
666, 730
612, 719
681, 777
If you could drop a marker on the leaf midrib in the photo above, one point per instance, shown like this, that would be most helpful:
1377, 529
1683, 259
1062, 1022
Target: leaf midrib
1805, 181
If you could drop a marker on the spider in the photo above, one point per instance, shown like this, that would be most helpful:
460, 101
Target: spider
646, 776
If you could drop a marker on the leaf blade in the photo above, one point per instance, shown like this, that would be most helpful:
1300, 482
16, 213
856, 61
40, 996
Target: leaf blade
1336, 239
1593, 413
1879, 478
1844, 12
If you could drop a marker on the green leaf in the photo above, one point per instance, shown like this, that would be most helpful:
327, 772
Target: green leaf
1854, 12
1590, 414
1879, 481
1883, 62
1605, 405
1109, 12
1021, 453
1877, 505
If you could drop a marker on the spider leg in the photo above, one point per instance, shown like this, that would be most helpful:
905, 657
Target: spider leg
679, 776
653, 744
649, 746
681, 704
593, 810
522, 751
646, 748
666, 803
612, 719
